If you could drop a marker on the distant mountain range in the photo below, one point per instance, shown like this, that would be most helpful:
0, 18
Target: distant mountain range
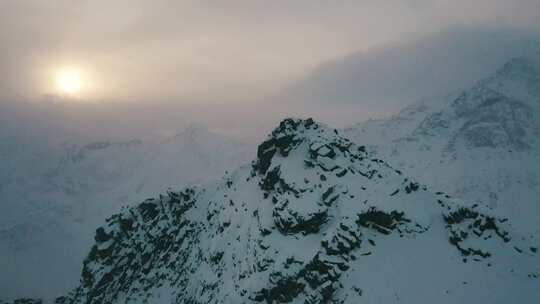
51, 215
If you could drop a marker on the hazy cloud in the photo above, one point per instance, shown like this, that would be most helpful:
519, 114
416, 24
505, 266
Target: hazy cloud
203, 50
387, 78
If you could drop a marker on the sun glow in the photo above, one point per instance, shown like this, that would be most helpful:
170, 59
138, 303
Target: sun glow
68, 81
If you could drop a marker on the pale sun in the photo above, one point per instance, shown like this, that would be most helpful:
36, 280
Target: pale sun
69, 81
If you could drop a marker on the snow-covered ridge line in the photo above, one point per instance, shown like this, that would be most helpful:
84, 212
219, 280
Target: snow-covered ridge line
305, 223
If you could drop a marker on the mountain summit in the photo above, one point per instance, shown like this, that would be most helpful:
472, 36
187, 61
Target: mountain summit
313, 219
481, 144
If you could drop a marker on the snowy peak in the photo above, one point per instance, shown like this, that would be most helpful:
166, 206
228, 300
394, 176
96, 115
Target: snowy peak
195, 132
519, 78
198, 139
494, 120
300, 225
290, 134
282, 140
500, 112
481, 144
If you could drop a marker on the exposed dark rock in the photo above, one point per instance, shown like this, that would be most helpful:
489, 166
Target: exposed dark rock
284, 290
102, 236
343, 241
282, 140
291, 222
412, 187
381, 221
464, 221
148, 210
330, 196
271, 179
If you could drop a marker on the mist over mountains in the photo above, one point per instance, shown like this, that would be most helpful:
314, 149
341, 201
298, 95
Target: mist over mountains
447, 173
51, 211
387, 78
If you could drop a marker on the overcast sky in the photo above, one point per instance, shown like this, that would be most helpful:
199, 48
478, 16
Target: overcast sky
204, 49
157, 66
150, 68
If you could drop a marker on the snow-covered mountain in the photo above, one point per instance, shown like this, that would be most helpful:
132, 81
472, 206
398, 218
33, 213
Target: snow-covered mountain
313, 219
482, 144
50, 213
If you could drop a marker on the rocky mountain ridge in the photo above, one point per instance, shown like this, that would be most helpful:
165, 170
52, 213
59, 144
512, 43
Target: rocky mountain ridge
314, 219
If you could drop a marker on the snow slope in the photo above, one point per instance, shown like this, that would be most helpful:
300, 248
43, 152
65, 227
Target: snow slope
313, 219
482, 144
50, 213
